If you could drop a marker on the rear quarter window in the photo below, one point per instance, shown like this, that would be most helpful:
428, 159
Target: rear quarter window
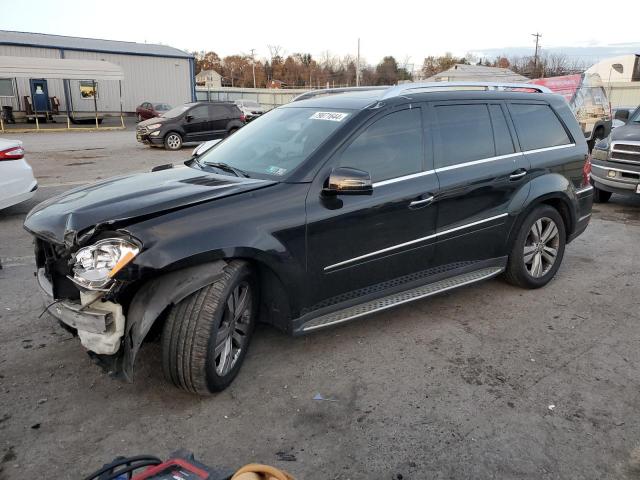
234, 111
537, 126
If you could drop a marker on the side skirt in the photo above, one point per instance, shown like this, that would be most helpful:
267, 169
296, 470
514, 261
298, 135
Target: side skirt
398, 298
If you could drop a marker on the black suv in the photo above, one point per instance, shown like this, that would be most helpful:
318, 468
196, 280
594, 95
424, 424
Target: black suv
321, 211
616, 161
191, 122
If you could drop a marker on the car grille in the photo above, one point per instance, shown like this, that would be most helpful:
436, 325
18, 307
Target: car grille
625, 152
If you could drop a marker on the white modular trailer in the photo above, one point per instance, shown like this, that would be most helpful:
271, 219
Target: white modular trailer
155, 73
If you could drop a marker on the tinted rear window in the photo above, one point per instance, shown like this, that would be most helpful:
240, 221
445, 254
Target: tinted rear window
465, 134
537, 126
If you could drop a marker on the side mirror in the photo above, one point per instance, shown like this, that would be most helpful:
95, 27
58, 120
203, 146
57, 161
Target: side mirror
348, 181
188, 118
622, 115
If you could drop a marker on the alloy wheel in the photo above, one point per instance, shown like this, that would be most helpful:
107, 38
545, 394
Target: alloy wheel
234, 328
541, 247
173, 141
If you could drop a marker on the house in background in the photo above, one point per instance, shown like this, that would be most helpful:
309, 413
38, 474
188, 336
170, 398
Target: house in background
477, 73
209, 79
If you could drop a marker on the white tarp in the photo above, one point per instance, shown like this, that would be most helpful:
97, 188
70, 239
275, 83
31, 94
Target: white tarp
66, 69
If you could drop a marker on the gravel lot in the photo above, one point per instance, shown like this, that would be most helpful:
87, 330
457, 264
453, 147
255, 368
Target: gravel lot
457, 386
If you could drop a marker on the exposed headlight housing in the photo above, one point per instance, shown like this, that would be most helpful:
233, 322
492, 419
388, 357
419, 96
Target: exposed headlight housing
155, 126
96, 265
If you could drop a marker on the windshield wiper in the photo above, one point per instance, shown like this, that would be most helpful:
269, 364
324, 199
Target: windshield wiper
228, 168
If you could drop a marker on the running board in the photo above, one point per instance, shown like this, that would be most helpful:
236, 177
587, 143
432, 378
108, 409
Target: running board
390, 301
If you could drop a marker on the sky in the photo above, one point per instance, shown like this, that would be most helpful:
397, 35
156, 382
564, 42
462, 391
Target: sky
408, 30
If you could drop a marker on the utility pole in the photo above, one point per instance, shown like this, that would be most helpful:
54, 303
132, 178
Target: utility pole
535, 57
253, 65
358, 66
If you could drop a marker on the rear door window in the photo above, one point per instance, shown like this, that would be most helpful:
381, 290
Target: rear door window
199, 113
218, 112
501, 134
464, 134
389, 148
537, 126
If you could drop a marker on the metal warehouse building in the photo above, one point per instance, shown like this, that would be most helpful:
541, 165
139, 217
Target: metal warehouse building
155, 73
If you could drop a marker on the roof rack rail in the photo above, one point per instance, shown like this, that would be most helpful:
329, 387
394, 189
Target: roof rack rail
332, 91
427, 86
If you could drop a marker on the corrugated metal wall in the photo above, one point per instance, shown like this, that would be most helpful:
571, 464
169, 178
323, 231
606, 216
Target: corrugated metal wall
154, 79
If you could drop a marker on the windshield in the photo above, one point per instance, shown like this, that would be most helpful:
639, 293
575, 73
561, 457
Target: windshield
174, 112
162, 107
276, 143
635, 118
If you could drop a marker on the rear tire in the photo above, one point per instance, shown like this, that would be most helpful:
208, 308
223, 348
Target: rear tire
601, 196
538, 249
173, 141
232, 131
204, 339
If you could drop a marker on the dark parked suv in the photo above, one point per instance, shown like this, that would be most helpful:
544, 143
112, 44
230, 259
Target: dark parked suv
321, 211
191, 122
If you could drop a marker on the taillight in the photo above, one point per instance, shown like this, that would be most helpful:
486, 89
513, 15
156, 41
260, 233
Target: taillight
13, 153
243, 117
586, 171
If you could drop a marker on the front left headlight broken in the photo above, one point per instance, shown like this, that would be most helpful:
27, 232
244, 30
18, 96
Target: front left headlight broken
96, 265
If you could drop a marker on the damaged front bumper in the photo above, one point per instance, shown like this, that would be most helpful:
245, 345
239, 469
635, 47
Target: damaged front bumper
99, 324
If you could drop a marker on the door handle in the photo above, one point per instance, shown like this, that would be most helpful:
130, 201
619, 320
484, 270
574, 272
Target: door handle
518, 174
422, 202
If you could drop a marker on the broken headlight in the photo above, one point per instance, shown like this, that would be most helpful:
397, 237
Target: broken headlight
97, 264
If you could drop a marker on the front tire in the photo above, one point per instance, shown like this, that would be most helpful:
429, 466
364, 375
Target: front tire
206, 336
173, 141
538, 249
600, 196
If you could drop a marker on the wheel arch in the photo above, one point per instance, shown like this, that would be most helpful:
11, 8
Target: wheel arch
153, 298
158, 294
234, 125
552, 190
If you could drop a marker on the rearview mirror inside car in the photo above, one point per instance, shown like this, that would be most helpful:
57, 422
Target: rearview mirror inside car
348, 181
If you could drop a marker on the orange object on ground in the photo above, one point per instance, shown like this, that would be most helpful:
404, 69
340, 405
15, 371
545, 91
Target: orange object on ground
255, 471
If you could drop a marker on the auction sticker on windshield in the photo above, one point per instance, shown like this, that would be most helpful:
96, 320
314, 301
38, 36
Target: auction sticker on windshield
331, 116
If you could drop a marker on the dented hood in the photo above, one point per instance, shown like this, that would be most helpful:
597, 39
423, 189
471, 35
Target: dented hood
123, 200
